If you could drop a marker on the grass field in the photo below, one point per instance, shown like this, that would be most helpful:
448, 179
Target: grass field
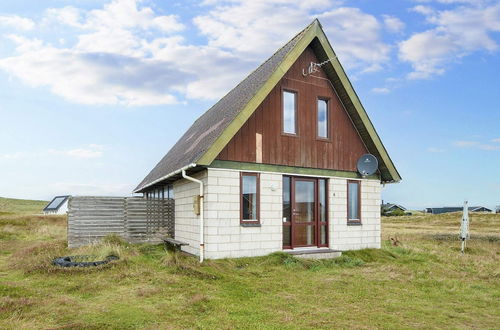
17, 206
423, 282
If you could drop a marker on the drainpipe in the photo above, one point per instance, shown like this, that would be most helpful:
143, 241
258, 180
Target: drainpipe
202, 243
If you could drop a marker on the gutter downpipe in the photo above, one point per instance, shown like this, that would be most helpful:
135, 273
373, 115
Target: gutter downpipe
202, 222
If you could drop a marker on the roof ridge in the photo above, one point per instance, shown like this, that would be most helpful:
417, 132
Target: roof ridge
225, 108
262, 64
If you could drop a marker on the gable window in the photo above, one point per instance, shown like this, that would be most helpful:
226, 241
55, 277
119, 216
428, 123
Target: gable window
289, 112
249, 199
353, 202
322, 116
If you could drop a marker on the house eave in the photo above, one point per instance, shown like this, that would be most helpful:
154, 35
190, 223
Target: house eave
163, 178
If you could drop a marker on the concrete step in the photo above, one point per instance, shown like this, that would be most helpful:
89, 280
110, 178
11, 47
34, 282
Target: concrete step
315, 254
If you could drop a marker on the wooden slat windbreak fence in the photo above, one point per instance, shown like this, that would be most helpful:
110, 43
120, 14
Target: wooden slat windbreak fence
136, 219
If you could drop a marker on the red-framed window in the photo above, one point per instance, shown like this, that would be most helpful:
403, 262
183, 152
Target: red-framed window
249, 198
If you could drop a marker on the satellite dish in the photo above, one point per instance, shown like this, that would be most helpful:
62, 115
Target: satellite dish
367, 164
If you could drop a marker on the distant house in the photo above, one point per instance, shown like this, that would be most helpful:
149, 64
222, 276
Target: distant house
272, 166
58, 205
389, 208
439, 210
480, 209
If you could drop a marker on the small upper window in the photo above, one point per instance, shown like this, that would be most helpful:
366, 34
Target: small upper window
322, 118
289, 112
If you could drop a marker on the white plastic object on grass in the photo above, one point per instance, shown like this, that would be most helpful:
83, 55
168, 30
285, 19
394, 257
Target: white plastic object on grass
464, 228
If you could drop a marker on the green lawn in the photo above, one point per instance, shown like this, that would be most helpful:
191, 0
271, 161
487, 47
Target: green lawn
424, 282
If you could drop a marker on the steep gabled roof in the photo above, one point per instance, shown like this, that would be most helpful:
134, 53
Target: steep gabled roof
209, 134
389, 206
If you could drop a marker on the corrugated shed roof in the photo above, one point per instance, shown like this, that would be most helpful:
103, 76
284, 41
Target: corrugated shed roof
205, 130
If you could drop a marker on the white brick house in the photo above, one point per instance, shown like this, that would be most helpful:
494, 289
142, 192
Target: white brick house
276, 162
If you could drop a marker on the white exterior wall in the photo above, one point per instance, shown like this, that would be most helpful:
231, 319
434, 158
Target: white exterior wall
63, 209
354, 237
187, 223
226, 237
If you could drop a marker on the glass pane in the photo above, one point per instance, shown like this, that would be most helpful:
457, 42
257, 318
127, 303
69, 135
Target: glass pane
304, 235
55, 203
322, 118
287, 234
287, 210
304, 201
249, 191
289, 112
353, 201
322, 235
322, 200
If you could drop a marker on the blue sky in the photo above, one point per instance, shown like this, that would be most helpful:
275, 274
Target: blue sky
94, 93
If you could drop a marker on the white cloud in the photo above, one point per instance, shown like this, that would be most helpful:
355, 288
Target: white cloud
17, 22
93, 78
393, 24
252, 27
465, 144
433, 149
456, 33
427, 51
258, 28
424, 10
356, 37
90, 151
381, 90
124, 53
109, 63
15, 155
456, 1
496, 140
489, 147
118, 14
84, 153
476, 145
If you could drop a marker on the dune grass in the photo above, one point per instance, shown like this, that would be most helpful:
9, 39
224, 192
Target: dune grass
423, 282
23, 206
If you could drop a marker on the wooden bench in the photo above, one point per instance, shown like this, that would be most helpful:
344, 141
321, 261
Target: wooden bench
173, 244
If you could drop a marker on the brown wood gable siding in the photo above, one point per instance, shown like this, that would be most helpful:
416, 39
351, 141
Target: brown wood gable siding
340, 152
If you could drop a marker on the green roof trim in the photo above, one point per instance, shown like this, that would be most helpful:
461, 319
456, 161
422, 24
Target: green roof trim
212, 131
254, 103
315, 37
244, 166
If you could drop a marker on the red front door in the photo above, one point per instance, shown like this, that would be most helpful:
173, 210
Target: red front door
304, 212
